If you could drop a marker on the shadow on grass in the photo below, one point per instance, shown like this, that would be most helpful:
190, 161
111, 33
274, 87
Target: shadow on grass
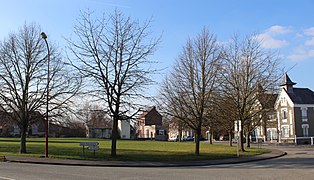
155, 156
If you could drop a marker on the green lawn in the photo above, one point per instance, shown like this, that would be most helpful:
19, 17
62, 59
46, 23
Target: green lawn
69, 148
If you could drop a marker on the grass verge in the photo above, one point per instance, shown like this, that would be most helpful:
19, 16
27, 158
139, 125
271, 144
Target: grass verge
127, 150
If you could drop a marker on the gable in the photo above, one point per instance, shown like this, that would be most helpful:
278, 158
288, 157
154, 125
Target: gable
283, 99
153, 118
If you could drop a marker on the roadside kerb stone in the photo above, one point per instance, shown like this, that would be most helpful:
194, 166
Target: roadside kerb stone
53, 161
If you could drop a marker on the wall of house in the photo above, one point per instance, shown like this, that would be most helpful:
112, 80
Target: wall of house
161, 133
100, 133
308, 120
304, 121
140, 128
285, 126
311, 121
298, 122
124, 129
149, 131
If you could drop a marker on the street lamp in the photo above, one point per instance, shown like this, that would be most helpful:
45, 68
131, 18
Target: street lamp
44, 36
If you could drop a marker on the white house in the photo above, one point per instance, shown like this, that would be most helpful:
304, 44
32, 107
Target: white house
124, 129
295, 113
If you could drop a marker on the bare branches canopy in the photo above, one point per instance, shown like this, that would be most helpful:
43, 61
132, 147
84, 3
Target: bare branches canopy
23, 79
247, 68
188, 90
113, 54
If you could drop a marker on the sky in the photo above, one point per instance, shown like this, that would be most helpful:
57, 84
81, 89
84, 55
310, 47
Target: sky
285, 26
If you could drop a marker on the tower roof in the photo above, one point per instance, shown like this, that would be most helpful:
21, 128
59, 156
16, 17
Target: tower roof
286, 81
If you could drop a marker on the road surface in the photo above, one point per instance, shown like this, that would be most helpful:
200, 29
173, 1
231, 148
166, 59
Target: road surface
298, 164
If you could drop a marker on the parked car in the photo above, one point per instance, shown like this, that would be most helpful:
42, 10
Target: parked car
174, 138
188, 138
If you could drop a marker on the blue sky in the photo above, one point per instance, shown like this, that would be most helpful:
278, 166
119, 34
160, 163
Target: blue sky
285, 26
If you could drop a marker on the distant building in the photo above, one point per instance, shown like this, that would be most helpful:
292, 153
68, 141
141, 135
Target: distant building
177, 129
99, 127
124, 128
295, 113
149, 125
9, 127
267, 130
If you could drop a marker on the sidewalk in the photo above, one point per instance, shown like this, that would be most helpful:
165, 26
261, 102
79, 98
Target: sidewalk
20, 159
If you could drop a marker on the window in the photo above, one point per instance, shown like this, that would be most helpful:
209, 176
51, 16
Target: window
284, 114
304, 114
161, 132
283, 100
305, 128
285, 131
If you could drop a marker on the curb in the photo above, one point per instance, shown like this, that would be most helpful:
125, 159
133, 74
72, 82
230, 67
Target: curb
273, 154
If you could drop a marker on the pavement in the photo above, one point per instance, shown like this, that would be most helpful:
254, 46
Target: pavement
53, 161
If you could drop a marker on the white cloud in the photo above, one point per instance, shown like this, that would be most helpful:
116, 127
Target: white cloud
309, 31
270, 38
275, 30
311, 53
270, 42
310, 42
301, 53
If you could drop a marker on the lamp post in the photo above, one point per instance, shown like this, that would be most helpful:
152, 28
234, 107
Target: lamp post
44, 36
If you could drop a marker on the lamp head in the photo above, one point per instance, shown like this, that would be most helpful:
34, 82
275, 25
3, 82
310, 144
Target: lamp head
43, 35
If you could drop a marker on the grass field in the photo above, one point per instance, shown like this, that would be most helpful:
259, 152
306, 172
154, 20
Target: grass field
68, 148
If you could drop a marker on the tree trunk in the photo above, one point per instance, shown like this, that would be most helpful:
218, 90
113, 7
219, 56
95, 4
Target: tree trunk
230, 138
265, 130
23, 141
114, 137
180, 133
197, 141
211, 137
241, 140
247, 136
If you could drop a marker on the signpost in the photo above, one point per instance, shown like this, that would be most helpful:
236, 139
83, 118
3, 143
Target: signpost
93, 146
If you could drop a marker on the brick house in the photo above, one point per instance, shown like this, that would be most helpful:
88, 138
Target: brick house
149, 125
295, 113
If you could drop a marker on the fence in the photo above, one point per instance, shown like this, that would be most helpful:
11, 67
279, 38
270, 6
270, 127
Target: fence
304, 140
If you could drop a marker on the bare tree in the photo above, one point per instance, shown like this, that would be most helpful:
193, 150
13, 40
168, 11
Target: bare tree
225, 115
113, 55
178, 125
23, 79
267, 101
94, 115
188, 90
246, 66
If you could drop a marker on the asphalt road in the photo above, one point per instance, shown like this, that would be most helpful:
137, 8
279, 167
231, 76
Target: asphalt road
298, 164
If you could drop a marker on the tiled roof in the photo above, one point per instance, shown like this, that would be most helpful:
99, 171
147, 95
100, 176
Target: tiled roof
145, 112
302, 96
268, 100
